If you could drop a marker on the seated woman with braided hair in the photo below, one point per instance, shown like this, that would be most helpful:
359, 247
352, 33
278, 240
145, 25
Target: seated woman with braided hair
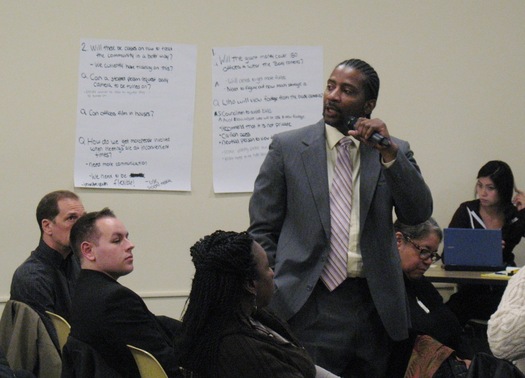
226, 330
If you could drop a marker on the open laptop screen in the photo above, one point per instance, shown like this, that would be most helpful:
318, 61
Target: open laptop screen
472, 249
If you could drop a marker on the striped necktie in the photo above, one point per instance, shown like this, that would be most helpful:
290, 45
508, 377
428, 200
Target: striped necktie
335, 271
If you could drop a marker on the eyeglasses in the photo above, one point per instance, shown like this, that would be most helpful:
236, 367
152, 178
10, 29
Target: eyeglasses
423, 252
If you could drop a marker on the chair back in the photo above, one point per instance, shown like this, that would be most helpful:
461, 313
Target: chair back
61, 326
147, 364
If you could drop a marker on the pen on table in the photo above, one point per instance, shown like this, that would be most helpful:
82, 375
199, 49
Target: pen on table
509, 273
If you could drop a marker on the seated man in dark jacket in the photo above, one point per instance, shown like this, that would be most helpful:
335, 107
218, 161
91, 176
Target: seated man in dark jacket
107, 315
45, 280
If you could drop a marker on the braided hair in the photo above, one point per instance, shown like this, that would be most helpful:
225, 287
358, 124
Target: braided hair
371, 77
224, 263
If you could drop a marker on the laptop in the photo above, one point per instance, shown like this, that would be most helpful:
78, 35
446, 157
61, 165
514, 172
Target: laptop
472, 249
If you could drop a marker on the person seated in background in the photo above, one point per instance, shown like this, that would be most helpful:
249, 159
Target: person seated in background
506, 327
435, 332
227, 332
107, 315
45, 280
494, 208
418, 247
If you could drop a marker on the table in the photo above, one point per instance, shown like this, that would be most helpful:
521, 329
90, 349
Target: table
436, 273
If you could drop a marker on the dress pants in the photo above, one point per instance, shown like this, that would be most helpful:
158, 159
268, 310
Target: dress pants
342, 330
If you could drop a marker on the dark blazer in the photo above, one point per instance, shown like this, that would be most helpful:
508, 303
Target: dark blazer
107, 316
290, 218
81, 360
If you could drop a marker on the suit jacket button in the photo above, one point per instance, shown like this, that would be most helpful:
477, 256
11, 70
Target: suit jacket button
309, 287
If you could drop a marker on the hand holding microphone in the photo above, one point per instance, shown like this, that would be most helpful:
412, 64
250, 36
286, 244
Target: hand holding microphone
374, 138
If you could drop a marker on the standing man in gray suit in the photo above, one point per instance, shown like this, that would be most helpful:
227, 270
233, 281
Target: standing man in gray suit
349, 327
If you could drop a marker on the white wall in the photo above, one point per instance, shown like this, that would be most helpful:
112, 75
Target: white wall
452, 84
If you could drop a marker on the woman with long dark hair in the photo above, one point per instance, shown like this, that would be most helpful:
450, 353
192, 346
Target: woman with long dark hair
226, 330
494, 208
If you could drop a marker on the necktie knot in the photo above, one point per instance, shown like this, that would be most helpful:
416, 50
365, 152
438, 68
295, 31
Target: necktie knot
345, 142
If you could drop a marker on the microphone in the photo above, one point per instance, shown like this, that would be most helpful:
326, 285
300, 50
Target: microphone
376, 138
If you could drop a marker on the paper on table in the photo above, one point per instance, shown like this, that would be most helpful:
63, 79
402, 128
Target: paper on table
503, 274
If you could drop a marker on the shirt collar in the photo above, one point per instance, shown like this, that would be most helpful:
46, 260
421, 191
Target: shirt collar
48, 254
333, 136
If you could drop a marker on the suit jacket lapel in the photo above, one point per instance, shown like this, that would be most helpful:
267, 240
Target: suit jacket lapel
370, 171
314, 162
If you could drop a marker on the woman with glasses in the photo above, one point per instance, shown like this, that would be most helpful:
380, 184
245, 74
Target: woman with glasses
433, 349
417, 246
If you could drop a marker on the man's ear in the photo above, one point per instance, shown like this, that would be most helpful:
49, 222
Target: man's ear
87, 251
46, 229
370, 106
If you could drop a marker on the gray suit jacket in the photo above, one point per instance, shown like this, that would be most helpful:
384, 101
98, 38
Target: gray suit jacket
290, 218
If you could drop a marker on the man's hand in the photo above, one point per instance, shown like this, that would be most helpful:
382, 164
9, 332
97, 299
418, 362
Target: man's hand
363, 130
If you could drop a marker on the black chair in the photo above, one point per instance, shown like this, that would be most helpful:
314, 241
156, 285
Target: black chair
487, 366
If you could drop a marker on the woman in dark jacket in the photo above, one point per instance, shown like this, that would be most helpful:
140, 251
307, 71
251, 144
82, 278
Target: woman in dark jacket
494, 208
226, 330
